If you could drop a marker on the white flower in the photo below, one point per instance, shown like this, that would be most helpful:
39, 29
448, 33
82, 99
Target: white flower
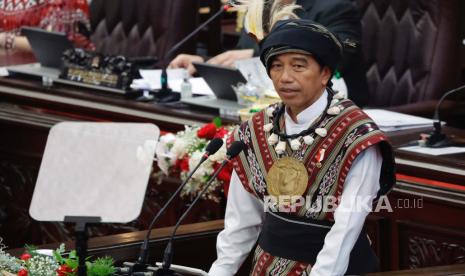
42, 265
339, 96
205, 169
334, 110
179, 148
268, 127
308, 140
167, 138
334, 101
7, 262
281, 147
220, 155
295, 144
165, 158
269, 111
321, 132
273, 139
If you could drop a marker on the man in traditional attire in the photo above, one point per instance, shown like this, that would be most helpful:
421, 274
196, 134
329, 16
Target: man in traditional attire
338, 151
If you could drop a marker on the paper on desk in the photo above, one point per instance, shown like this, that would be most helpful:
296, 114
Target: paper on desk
154, 75
254, 71
151, 80
434, 151
3, 72
392, 121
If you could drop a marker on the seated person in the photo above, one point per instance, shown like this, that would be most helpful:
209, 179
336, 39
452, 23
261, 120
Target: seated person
70, 17
339, 16
308, 163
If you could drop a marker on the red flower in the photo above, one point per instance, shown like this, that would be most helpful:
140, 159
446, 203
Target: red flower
224, 175
22, 272
221, 132
64, 270
26, 256
208, 131
183, 164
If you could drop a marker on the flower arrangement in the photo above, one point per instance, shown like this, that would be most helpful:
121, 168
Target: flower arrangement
37, 263
178, 153
8, 263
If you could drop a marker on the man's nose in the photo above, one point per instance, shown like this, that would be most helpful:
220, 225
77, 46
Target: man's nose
286, 76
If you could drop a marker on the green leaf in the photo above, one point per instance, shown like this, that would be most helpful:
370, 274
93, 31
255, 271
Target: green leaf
58, 257
73, 254
73, 263
31, 249
217, 121
101, 267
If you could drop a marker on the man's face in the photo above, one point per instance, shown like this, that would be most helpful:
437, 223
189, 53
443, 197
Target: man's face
298, 79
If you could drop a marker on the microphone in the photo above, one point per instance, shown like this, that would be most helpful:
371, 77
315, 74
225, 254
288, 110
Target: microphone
437, 139
164, 94
141, 263
235, 148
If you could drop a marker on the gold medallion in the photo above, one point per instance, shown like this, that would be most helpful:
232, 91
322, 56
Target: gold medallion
287, 177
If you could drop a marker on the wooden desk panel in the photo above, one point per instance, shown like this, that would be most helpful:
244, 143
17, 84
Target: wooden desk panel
192, 239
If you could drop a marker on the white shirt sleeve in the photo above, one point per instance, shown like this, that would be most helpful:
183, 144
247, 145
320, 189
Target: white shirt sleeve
362, 183
242, 224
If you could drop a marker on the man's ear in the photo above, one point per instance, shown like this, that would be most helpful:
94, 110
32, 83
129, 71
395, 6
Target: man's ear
326, 75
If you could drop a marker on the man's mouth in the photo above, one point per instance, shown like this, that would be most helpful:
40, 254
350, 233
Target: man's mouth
288, 91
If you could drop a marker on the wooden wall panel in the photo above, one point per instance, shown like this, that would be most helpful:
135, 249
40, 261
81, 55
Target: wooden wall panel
424, 245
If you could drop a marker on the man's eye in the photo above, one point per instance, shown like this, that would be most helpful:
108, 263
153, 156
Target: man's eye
275, 66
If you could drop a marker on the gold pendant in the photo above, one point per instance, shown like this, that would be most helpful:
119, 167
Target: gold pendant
287, 177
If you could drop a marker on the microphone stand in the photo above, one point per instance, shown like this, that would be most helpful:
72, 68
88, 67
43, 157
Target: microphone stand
164, 94
168, 255
141, 264
437, 139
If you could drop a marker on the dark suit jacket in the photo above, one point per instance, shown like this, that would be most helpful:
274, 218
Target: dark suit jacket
343, 19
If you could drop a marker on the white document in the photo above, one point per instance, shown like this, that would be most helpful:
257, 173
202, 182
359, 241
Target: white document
154, 75
434, 151
392, 121
3, 72
254, 71
151, 80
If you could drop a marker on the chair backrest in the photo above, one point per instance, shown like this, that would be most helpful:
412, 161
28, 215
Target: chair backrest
411, 49
142, 27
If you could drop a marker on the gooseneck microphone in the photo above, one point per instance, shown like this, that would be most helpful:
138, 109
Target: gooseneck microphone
141, 263
437, 139
164, 93
235, 148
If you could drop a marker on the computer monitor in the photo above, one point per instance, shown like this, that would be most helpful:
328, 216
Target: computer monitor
47, 47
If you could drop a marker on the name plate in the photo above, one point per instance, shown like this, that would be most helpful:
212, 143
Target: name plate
96, 69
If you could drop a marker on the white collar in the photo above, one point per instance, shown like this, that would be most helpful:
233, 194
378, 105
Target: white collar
306, 117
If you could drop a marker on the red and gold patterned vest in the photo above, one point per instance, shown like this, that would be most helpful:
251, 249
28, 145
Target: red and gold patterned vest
328, 160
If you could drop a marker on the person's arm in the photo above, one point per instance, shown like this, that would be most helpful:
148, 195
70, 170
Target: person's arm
15, 42
242, 224
362, 183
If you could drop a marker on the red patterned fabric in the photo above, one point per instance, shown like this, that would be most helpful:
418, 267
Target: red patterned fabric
349, 133
53, 15
265, 264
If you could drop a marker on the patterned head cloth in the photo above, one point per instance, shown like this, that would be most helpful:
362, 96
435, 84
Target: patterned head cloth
301, 36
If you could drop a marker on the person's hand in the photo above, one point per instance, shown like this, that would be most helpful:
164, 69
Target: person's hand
185, 61
228, 58
80, 41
